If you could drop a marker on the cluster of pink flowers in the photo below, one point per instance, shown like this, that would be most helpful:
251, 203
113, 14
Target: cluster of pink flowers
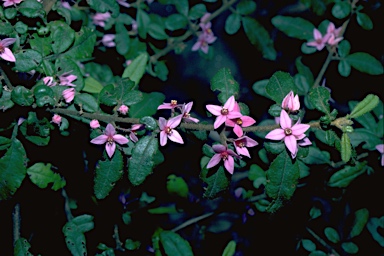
332, 37
205, 37
65, 79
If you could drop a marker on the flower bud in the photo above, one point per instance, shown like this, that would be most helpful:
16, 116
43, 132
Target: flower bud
69, 94
56, 119
94, 124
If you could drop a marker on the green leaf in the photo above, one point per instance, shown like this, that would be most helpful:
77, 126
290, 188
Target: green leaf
197, 11
143, 21
21, 27
319, 97
150, 122
62, 36
122, 39
216, 181
344, 68
230, 249
175, 21
341, 9
161, 70
316, 156
174, 244
343, 177
305, 71
82, 48
365, 106
232, 23
91, 85
41, 175
343, 48
361, 219
246, 7
131, 245
74, 233
364, 21
346, 150
308, 245
259, 37
224, 82
136, 69
274, 147
317, 253
37, 132
28, 60
177, 186
41, 44
87, 102
4, 143
259, 87
279, 85
6, 28
315, 212
10, 13
142, 161
105, 6
294, 27
365, 136
367, 120
22, 96
120, 93
365, 62
21, 247
372, 226
148, 106
164, 209
43, 95
108, 172
182, 6
31, 9
332, 235
12, 169
350, 247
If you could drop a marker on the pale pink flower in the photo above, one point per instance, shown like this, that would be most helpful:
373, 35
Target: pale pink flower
11, 2
224, 112
203, 42
69, 94
107, 40
238, 123
242, 143
5, 52
132, 134
171, 105
109, 138
290, 134
94, 124
128, 62
380, 148
99, 19
67, 78
123, 109
319, 41
291, 102
66, 5
20, 121
48, 81
225, 154
123, 3
56, 119
334, 34
168, 131
185, 113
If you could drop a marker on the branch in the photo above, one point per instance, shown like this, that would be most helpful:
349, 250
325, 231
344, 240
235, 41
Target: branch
321, 241
192, 221
16, 222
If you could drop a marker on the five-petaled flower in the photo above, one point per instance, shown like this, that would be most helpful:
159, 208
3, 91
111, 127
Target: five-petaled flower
5, 52
237, 123
225, 154
171, 105
320, 40
11, 2
109, 138
185, 113
168, 131
206, 36
334, 34
123, 109
291, 102
242, 143
224, 112
380, 148
94, 124
290, 133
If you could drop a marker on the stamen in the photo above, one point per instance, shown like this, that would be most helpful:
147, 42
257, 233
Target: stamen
239, 121
224, 111
224, 155
173, 102
168, 130
287, 131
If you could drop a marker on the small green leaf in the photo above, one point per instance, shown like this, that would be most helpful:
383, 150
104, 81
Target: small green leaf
350, 247
294, 27
148, 106
87, 102
21, 27
361, 219
41, 44
365, 136
365, 106
150, 122
308, 245
103, 6
259, 87
5, 28
83, 47
230, 249
346, 150
120, 93
143, 21
343, 48
279, 85
74, 233
317, 253
10, 13
62, 36
246, 7
177, 186
224, 82
343, 177
21, 247
163, 209
91, 85
136, 69
364, 21
182, 6
31, 9
122, 39
28, 60
315, 212
232, 23
41, 175
131, 245
197, 11
305, 71
319, 97
332, 235
174, 244
175, 21
274, 147
341, 9
22, 96
44, 95
344, 68
161, 70
372, 226
365, 62
316, 156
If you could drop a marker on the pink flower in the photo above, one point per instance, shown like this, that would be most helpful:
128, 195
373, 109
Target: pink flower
69, 94
109, 138
222, 153
225, 112
185, 113
5, 52
167, 130
11, 2
319, 41
290, 134
242, 143
203, 42
291, 102
237, 123
123, 109
67, 79
171, 105
380, 148
56, 119
107, 40
334, 34
48, 81
99, 19
94, 124
132, 134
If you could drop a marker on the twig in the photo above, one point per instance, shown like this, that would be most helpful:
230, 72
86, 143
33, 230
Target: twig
67, 209
192, 221
16, 222
117, 239
322, 242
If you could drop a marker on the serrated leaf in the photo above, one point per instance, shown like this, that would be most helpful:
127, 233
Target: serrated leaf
259, 37
28, 60
224, 82
83, 47
365, 106
136, 69
365, 62
41, 44
364, 21
21, 247
216, 181
294, 27
148, 105
108, 172
319, 97
332, 234
316, 156
279, 85
346, 150
361, 219
12, 169
74, 231
174, 244
87, 102
343, 177
41, 175
120, 93
22, 96
142, 161
367, 120
232, 23
103, 6
62, 36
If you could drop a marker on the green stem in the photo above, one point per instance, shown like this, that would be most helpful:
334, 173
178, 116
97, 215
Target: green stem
4, 77
322, 242
323, 69
67, 209
16, 222
192, 221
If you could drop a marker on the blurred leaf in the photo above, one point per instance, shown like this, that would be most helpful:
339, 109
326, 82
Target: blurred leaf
108, 172
175, 21
343, 177
197, 11
350, 247
365, 136
319, 97
62, 36
174, 244
21, 27
279, 85
27, 60
74, 233
136, 69
341, 9
161, 70
361, 219
246, 7
343, 48
150, 122
365, 62
83, 47
87, 102
22, 96
41, 175
122, 39
177, 186
232, 23
21, 247
372, 226
364, 21
344, 68
164, 210
315, 212
259, 87
147, 106
182, 6
318, 253
31, 9
259, 37
103, 6
224, 82
131, 245
305, 71
143, 21
6, 28
157, 31
332, 235
308, 245
91, 85
346, 150
230, 249
223, 222
294, 27
365, 106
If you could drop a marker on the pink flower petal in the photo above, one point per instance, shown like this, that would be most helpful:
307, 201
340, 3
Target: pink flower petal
380, 148
7, 41
214, 109
238, 130
291, 143
101, 139
8, 55
299, 129
110, 130
230, 103
242, 151
110, 148
163, 138
175, 137
219, 121
229, 164
175, 121
162, 123
277, 134
247, 121
214, 161
218, 148
120, 139
285, 120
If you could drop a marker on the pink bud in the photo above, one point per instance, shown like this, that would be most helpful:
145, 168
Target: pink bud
94, 124
123, 109
56, 119
69, 94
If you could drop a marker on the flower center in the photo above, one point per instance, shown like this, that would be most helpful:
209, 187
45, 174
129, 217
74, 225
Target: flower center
187, 115
168, 130
110, 140
239, 121
224, 156
287, 131
2, 49
240, 144
173, 102
224, 111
